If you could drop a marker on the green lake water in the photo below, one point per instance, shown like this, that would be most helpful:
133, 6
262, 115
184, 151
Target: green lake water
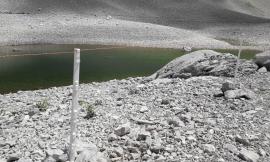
22, 72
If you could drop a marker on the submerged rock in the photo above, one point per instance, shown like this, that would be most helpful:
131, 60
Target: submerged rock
205, 62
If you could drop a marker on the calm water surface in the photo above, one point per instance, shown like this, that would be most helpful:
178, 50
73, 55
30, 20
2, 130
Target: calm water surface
43, 71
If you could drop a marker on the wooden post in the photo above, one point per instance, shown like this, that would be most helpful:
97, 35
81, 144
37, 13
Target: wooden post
74, 110
238, 60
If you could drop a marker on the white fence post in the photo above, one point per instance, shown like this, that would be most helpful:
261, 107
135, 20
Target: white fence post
74, 110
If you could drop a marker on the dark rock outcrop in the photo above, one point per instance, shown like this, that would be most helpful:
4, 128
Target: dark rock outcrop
263, 60
205, 63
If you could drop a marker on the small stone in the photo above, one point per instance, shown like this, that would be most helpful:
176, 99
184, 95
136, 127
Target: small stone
249, 156
241, 140
133, 149
208, 148
123, 129
50, 159
165, 101
13, 157
160, 159
9, 143
142, 135
135, 156
112, 137
55, 153
33, 111
191, 138
144, 109
87, 155
119, 103
239, 93
228, 86
262, 70
187, 48
220, 160
63, 157
176, 122
83, 146
118, 151
231, 148
262, 153
23, 160
156, 149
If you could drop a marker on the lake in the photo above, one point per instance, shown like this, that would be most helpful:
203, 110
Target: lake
26, 68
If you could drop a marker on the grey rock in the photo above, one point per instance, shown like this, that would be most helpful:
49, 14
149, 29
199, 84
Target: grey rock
209, 148
228, 85
262, 70
87, 156
144, 109
263, 59
24, 160
123, 129
262, 152
205, 62
242, 140
9, 143
239, 93
161, 81
83, 146
249, 156
160, 159
165, 101
50, 159
133, 150
13, 157
55, 153
118, 151
112, 137
33, 111
176, 122
3, 160
90, 155
63, 158
231, 148
142, 135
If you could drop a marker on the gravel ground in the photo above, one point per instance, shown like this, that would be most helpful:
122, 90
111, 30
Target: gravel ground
170, 119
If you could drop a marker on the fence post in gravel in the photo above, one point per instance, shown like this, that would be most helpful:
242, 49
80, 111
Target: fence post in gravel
74, 110
238, 60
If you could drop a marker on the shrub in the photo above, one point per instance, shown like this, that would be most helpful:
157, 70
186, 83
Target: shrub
90, 110
43, 105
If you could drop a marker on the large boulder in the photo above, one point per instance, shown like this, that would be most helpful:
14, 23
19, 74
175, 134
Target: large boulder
263, 59
203, 63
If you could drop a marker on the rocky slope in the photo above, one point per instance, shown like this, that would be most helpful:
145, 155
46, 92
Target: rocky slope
151, 23
161, 120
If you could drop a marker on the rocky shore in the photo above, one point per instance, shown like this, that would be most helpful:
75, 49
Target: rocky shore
200, 118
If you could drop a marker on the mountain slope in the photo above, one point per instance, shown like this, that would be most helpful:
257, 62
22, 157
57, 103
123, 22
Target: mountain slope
166, 11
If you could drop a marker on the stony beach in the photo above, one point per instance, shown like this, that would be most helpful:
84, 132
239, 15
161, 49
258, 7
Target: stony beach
142, 119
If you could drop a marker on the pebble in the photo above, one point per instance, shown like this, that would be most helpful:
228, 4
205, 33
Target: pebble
123, 129
249, 156
231, 148
208, 148
144, 109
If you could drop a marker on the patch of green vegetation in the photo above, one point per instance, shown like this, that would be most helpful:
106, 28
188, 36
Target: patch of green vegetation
43, 105
90, 110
